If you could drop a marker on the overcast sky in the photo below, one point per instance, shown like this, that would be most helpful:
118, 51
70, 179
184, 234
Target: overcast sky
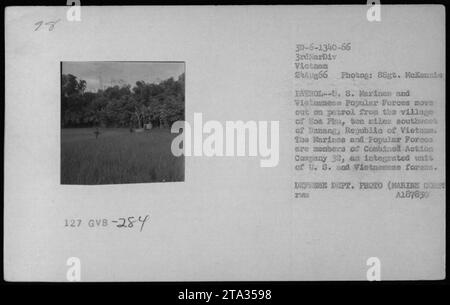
116, 73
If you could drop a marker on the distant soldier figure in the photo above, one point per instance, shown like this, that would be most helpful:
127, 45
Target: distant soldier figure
131, 126
97, 132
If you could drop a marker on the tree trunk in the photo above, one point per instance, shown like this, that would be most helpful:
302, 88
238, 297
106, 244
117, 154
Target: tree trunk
139, 119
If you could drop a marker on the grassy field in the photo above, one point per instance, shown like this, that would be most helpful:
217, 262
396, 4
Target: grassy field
118, 156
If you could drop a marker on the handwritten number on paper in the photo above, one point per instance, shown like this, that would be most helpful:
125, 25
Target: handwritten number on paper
39, 23
128, 222
143, 220
50, 24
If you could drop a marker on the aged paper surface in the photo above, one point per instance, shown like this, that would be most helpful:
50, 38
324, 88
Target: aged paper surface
356, 176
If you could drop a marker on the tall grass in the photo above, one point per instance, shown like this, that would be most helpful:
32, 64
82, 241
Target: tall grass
118, 156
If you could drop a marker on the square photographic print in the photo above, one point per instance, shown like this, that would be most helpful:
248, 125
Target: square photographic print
116, 119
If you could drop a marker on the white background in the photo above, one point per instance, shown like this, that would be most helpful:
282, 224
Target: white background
230, 219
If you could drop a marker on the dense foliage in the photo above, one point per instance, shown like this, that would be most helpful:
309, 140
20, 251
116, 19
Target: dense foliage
122, 106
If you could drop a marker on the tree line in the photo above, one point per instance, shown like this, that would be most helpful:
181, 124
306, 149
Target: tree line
160, 104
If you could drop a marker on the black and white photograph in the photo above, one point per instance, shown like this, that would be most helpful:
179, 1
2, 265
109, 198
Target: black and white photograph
116, 119
225, 152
